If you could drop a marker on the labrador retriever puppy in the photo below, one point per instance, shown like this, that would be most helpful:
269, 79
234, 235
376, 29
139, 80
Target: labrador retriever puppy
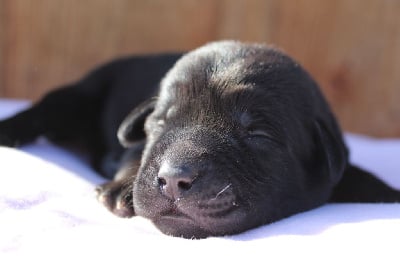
222, 139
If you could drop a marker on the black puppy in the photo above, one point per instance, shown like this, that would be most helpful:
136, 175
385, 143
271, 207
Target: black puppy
234, 136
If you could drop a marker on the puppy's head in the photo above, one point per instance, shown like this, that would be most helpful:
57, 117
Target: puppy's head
239, 136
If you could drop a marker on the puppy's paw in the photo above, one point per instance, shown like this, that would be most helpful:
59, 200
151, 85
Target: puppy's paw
7, 138
6, 141
116, 196
11, 134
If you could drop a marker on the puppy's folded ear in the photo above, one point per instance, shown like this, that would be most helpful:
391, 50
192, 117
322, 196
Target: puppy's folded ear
132, 128
352, 184
358, 185
331, 152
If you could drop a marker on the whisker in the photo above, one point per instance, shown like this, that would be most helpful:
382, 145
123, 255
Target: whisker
222, 191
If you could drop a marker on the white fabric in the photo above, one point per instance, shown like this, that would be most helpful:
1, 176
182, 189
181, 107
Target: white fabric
49, 214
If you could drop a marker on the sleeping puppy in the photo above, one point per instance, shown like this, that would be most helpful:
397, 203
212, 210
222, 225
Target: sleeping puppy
222, 139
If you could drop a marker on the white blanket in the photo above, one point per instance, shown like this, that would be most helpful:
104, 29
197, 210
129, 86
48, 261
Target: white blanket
49, 214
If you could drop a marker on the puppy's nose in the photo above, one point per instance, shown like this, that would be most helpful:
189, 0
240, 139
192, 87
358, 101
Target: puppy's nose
175, 180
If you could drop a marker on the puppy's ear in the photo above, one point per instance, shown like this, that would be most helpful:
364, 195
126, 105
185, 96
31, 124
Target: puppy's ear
331, 152
132, 128
352, 184
358, 185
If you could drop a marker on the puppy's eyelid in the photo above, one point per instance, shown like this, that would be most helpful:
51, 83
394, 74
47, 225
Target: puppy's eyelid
259, 133
264, 134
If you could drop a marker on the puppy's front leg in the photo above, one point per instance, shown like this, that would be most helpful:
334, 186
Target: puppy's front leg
20, 129
116, 195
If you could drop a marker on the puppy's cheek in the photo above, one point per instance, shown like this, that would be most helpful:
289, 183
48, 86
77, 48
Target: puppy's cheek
146, 197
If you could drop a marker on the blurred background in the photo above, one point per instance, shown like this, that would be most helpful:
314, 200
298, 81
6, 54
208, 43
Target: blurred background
351, 47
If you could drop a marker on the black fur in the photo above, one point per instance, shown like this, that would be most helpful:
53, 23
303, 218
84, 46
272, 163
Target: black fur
235, 136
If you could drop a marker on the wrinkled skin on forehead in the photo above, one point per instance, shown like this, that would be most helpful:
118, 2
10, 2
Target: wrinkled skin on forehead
247, 120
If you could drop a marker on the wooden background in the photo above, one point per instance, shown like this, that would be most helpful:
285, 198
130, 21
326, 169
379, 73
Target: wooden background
351, 47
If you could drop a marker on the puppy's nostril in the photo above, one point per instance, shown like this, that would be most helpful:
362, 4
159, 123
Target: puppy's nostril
184, 185
161, 181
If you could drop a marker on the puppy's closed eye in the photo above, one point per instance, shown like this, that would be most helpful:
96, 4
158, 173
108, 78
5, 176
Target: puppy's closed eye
253, 128
261, 133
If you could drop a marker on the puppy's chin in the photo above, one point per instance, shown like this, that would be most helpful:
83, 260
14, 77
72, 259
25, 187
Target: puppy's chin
180, 226
193, 226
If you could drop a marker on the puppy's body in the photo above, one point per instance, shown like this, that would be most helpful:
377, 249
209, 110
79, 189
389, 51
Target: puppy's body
235, 136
